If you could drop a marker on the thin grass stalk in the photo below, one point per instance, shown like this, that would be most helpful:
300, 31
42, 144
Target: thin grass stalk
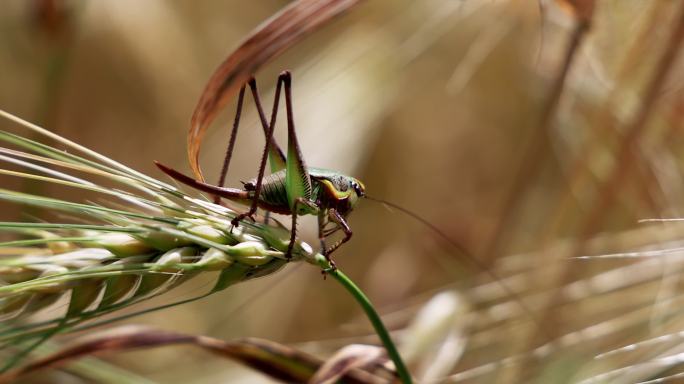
373, 317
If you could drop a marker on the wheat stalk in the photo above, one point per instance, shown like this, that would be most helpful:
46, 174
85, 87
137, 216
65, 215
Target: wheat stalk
146, 238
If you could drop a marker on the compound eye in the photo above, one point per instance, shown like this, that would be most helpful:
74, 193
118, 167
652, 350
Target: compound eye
357, 189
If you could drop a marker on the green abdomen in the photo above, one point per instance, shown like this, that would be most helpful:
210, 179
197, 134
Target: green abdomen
273, 191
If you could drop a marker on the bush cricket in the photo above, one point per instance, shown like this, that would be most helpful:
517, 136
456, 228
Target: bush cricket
292, 188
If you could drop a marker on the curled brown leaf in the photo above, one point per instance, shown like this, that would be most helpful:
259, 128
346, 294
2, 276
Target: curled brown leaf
347, 359
267, 41
275, 360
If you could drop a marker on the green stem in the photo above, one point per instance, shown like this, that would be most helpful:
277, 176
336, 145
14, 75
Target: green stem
372, 315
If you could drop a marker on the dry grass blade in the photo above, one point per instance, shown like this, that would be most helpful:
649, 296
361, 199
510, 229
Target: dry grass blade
531, 162
582, 9
270, 39
635, 129
276, 360
346, 360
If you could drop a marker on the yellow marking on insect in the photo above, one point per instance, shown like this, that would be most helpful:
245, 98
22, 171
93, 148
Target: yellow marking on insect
336, 192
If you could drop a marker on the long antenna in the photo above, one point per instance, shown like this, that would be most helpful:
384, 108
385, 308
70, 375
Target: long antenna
465, 253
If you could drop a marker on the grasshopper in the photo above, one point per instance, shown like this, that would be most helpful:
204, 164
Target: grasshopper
292, 188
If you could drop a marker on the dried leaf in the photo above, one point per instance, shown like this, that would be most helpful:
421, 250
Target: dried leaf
346, 359
276, 360
269, 40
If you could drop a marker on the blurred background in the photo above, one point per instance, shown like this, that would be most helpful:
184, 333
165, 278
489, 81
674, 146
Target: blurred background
445, 107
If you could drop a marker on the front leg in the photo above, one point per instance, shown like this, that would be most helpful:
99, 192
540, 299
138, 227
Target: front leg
338, 219
323, 233
293, 232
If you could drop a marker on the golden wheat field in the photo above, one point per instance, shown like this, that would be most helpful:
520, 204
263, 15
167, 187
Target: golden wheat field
539, 143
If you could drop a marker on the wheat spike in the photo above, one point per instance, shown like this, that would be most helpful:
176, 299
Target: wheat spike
146, 238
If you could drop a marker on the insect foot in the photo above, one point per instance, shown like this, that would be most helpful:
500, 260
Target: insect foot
333, 268
236, 221
288, 254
